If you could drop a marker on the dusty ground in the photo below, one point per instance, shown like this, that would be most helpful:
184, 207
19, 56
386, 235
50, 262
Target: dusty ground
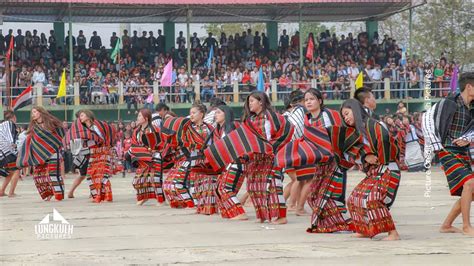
123, 233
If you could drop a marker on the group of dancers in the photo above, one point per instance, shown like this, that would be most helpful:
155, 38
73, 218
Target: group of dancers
201, 161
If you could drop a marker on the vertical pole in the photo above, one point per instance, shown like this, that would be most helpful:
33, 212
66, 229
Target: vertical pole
188, 41
301, 41
8, 100
410, 26
71, 61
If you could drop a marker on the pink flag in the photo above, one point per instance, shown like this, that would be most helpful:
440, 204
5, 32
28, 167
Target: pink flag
167, 74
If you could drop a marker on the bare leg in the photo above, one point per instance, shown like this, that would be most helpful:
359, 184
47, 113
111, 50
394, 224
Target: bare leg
302, 199
75, 184
447, 226
244, 198
287, 190
14, 182
5, 184
466, 199
294, 195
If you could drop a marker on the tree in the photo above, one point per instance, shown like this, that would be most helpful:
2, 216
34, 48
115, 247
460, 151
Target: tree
439, 27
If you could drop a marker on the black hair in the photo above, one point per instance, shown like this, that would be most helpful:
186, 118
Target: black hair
316, 93
214, 102
464, 79
229, 124
362, 93
260, 96
162, 106
360, 115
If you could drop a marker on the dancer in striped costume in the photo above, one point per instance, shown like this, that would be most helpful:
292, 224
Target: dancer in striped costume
145, 155
260, 136
318, 116
98, 137
370, 200
8, 153
448, 128
230, 181
42, 150
188, 179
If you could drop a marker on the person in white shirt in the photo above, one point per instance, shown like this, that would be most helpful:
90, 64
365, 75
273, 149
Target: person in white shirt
376, 76
353, 71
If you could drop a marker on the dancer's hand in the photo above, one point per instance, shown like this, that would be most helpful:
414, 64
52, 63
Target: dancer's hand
371, 159
461, 142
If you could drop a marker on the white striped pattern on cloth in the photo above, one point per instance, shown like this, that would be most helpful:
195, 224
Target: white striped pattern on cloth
296, 118
8, 136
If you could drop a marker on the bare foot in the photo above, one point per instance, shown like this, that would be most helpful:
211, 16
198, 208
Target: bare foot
240, 217
140, 203
160, 204
12, 195
291, 208
357, 235
449, 229
280, 221
302, 213
468, 231
392, 236
260, 221
48, 198
70, 195
2, 194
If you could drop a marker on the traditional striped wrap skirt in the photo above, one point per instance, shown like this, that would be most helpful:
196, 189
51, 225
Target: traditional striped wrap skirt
8, 168
456, 165
48, 179
98, 174
202, 188
175, 185
148, 180
327, 199
368, 203
265, 187
228, 186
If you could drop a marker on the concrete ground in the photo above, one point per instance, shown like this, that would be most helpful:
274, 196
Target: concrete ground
123, 233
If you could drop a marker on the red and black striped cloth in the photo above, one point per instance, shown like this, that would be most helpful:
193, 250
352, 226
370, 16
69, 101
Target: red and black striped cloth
249, 139
80, 131
39, 146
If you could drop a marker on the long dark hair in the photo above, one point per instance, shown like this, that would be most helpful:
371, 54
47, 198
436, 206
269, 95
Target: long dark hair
229, 118
50, 122
360, 115
146, 113
260, 96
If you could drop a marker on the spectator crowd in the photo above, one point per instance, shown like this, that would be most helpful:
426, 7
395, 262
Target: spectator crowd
38, 60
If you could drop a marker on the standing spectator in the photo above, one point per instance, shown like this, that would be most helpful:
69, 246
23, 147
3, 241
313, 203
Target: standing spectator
257, 42
402, 75
66, 41
19, 39
195, 41
131, 99
36, 39
152, 42
210, 42
126, 42
95, 42
160, 41
265, 43
113, 40
181, 41
182, 79
8, 37
207, 91
52, 42
43, 42
190, 94
284, 42
81, 42
353, 71
376, 76
149, 103
39, 78
2, 43
295, 41
135, 41
143, 42
249, 40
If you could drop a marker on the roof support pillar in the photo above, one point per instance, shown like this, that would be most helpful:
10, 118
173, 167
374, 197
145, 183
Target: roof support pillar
272, 34
300, 40
59, 33
371, 26
169, 32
